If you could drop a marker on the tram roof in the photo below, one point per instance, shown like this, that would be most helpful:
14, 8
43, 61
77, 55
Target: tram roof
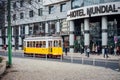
41, 38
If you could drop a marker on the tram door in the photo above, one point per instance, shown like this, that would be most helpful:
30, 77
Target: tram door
50, 47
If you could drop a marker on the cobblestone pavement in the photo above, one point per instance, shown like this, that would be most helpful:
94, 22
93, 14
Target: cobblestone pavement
30, 69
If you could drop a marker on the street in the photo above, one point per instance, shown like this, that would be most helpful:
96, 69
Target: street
95, 60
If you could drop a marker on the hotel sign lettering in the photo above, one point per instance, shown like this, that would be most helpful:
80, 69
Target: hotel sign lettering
95, 10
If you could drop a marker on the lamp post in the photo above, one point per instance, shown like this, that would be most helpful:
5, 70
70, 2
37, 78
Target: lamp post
9, 33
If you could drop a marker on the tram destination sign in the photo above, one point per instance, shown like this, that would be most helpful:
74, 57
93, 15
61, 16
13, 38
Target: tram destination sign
94, 10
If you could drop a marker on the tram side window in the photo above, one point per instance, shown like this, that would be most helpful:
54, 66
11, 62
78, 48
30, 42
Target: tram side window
27, 44
55, 43
40, 44
30, 44
50, 43
60, 43
37, 44
44, 44
33, 43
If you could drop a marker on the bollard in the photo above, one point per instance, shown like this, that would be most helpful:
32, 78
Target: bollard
72, 58
61, 57
82, 60
46, 56
106, 61
119, 64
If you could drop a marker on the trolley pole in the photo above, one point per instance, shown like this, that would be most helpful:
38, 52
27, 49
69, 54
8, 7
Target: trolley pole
9, 33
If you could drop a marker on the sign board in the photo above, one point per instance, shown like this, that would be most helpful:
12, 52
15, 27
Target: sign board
94, 10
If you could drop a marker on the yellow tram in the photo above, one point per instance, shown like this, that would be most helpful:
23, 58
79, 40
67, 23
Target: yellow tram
50, 46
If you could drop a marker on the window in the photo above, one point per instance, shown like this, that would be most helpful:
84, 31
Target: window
30, 1
40, 12
21, 3
51, 9
63, 7
14, 5
31, 13
21, 15
77, 3
14, 17
39, 0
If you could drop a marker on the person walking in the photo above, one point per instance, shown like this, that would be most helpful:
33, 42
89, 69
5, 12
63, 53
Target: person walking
5, 47
106, 52
66, 47
88, 51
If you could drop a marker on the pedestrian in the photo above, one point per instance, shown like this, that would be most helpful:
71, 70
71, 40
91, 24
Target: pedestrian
66, 47
96, 49
106, 52
88, 51
5, 47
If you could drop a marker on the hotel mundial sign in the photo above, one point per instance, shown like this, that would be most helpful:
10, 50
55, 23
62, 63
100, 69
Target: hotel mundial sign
94, 10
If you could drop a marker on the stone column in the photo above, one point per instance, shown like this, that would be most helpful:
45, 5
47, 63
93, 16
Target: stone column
86, 32
58, 27
104, 33
46, 28
71, 36
20, 40
26, 30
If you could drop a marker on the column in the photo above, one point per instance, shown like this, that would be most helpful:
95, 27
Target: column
20, 40
58, 27
104, 33
26, 30
46, 28
86, 32
82, 28
71, 36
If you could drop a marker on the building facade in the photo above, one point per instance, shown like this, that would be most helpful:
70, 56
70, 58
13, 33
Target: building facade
81, 22
2, 21
36, 18
94, 23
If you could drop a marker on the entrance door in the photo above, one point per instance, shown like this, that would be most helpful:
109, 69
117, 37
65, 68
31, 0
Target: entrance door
95, 37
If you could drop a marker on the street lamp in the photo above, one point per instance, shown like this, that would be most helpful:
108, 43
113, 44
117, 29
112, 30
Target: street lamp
9, 33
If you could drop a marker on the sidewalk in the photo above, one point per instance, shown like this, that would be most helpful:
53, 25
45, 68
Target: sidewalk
31, 69
79, 55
